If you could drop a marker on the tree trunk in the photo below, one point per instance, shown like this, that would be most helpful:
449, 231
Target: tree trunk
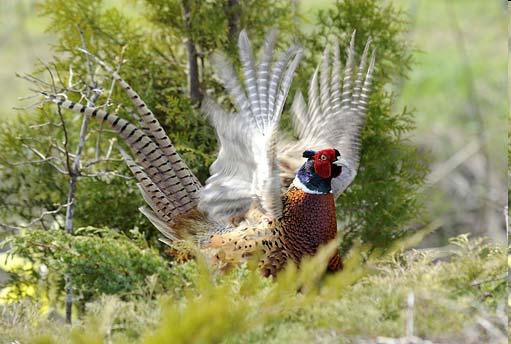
233, 11
193, 65
74, 173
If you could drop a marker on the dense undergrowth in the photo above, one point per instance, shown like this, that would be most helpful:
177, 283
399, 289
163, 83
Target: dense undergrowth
459, 294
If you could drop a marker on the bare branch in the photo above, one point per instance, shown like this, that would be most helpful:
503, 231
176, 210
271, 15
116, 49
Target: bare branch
445, 168
108, 98
40, 218
95, 162
33, 79
106, 173
35, 126
64, 128
45, 158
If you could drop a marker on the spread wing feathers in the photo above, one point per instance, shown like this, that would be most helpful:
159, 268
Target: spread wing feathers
157, 180
151, 126
271, 196
244, 169
228, 191
334, 115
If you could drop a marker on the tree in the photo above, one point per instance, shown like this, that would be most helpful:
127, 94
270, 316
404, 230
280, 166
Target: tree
377, 207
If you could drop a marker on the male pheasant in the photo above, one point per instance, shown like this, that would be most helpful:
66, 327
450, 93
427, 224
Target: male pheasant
261, 195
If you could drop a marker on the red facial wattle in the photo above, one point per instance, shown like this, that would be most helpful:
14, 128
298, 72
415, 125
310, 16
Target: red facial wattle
323, 162
322, 168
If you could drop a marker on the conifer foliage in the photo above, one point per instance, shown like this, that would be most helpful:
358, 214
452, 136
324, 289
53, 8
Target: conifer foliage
162, 49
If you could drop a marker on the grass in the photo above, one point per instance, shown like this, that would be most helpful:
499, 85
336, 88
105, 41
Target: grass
457, 300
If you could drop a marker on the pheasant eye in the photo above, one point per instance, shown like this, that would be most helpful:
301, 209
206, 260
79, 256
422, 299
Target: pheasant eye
323, 157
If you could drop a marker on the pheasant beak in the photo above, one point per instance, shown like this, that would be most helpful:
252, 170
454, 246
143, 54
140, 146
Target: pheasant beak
338, 163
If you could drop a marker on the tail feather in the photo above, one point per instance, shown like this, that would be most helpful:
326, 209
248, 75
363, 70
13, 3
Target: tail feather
156, 166
163, 227
153, 128
157, 200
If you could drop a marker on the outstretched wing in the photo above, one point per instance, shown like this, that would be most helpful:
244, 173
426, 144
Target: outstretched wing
334, 116
246, 168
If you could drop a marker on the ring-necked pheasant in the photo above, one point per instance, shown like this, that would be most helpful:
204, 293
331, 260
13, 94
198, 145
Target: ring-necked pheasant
261, 195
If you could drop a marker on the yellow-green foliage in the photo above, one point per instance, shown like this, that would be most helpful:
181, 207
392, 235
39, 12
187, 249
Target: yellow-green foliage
99, 261
365, 300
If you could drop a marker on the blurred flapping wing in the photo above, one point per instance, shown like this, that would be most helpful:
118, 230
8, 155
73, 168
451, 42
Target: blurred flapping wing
246, 169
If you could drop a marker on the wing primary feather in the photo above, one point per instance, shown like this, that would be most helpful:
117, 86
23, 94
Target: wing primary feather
271, 198
349, 142
276, 73
334, 115
366, 88
300, 115
285, 85
246, 173
229, 79
228, 190
263, 73
361, 73
324, 81
314, 107
348, 75
250, 75
336, 80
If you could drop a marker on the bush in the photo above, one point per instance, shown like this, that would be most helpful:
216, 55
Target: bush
99, 261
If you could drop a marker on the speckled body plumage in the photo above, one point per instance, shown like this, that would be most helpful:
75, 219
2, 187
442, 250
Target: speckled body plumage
308, 222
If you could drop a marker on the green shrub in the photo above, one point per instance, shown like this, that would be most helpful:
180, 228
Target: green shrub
99, 261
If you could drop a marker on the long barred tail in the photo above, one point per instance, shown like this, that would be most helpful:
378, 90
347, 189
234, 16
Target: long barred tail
151, 126
163, 183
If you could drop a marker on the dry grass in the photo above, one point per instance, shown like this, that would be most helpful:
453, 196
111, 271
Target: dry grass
456, 300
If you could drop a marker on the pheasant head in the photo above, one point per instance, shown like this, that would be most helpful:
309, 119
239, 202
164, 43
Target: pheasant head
316, 173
